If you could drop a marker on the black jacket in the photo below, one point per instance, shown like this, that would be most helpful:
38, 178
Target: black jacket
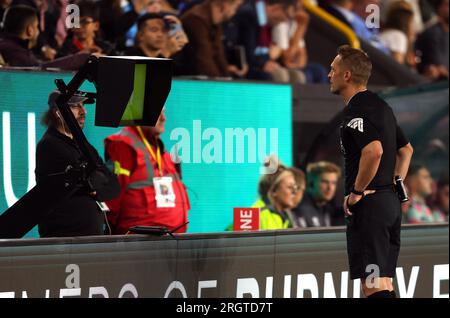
69, 47
309, 214
78, 215
114, 23
51, 17
15, 52
244, 30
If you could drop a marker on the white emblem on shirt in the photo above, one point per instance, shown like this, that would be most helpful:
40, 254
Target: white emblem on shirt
356, 123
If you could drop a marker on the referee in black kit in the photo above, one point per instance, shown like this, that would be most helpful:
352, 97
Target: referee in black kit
375, 151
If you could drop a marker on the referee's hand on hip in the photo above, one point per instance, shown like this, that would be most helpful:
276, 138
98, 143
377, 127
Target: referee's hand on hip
352, 199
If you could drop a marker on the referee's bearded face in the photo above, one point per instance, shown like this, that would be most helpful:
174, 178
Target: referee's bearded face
336, 76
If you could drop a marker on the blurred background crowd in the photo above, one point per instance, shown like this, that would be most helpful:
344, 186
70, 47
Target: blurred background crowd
252, 40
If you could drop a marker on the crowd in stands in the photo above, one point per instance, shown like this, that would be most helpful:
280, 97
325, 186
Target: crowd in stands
289, 198
242, 39
414, 32
428, 199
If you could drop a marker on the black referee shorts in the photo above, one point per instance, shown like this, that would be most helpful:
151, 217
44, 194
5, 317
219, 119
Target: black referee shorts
373, 235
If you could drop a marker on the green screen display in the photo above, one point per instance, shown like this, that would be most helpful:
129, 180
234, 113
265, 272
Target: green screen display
135, 108
221, 131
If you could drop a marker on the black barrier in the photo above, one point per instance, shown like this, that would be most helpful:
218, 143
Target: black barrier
289, 264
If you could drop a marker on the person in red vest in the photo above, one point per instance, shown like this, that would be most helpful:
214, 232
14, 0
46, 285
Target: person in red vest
152, 193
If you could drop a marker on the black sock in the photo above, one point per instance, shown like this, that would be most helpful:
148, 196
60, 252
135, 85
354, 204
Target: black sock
393, 294
381, 294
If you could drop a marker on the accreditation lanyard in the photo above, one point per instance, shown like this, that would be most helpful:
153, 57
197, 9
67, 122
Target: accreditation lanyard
156, 157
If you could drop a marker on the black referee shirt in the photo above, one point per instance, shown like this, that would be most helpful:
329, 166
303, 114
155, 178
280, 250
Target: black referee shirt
368, 118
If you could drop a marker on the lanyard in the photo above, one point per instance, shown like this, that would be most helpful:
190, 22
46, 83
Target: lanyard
156, 157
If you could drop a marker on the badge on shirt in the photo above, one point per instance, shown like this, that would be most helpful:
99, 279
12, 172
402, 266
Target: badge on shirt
164, 194
357, 123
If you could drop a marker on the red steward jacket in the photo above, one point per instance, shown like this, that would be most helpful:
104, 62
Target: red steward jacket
135, 168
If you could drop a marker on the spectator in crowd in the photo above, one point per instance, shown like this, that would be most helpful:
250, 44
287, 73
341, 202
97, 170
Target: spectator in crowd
78, 214
343, 11
144, 168
250, 28
316, 209
266, 179
300, 180
19, 36
440, 206
117, 17
61, 27
3, 5
263, 202
422, 9
289, 37
152, 6
85, 38
398, 33
176, 37
279, 192
365, 10
153, 39
333, 7
419, 184
51, 30
433, 45
279, 189
205, 53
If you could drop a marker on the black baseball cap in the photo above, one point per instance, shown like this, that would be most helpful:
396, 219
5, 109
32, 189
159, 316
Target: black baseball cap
75, 99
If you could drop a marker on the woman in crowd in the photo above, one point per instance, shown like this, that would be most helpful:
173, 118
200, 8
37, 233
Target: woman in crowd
398, 33
279, 194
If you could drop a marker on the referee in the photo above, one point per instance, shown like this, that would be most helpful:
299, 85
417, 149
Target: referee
375, 151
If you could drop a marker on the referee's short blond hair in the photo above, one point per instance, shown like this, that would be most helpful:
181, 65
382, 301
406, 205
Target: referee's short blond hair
358, 62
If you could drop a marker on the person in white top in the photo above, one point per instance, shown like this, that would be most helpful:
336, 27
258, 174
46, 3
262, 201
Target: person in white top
418, 20
288, 37
398, 33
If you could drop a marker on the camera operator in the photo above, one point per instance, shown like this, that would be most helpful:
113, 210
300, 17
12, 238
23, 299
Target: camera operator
81, 214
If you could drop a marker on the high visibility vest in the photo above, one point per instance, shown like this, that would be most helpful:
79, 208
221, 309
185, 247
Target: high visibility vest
268, 219
137, 203
273, 220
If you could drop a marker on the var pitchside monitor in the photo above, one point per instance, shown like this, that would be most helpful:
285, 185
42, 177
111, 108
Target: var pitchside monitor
131, 90
233, 112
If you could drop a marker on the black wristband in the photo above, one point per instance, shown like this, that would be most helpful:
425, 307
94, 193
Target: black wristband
357, 192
